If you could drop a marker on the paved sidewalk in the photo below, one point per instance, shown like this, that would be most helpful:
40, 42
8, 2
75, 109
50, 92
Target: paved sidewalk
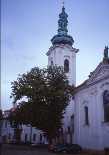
23, 150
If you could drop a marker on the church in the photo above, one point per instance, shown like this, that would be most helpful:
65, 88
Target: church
86, 120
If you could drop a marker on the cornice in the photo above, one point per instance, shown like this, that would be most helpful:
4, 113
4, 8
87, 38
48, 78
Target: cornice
63, 46
86, 85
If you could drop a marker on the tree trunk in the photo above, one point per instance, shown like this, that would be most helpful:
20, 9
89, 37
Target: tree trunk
30, 134
17, 134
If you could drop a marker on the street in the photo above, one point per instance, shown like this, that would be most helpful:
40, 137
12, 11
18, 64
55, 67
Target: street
23, 150
26, 150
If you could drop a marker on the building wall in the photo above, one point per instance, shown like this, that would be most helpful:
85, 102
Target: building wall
68, 123
7, 131
27, 134
30, 132
96, 134
58, 54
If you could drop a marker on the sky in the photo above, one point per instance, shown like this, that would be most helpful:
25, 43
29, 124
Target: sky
27, 27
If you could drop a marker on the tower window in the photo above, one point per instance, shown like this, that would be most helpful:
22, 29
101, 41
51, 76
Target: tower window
52, 63
106, 105
66, 66
86, 115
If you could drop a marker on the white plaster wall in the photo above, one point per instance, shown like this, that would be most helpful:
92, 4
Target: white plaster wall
26, 129
96, 134
7, 130
30, 132
104, 127
67, 122
58, 54
68, 113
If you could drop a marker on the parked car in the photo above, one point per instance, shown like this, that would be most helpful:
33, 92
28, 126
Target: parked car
68, 148
74, 148
54, 148
60, 148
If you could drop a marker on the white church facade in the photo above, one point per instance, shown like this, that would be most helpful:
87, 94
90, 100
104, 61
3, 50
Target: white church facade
86, 120
92, 110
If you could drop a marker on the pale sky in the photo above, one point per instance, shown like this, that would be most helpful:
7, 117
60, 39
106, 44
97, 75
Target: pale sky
27, 27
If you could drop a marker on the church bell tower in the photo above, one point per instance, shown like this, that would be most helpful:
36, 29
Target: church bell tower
62, 53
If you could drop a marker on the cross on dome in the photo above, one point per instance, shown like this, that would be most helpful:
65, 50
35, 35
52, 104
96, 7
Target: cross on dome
63, 3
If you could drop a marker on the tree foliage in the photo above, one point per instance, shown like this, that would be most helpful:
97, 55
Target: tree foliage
47, 94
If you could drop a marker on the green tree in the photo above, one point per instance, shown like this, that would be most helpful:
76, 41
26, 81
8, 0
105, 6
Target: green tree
47, 94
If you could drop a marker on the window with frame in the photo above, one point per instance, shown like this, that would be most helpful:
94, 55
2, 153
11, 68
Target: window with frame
6, 123
69, 129
51, 62
40, 138
34, 137
66, 65
26, 137
72, 123
9, 136
86, 115
106, 105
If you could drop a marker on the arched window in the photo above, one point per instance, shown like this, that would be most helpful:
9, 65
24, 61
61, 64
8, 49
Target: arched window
66, 66
106, 105
72, 123
86, 115
51, 62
